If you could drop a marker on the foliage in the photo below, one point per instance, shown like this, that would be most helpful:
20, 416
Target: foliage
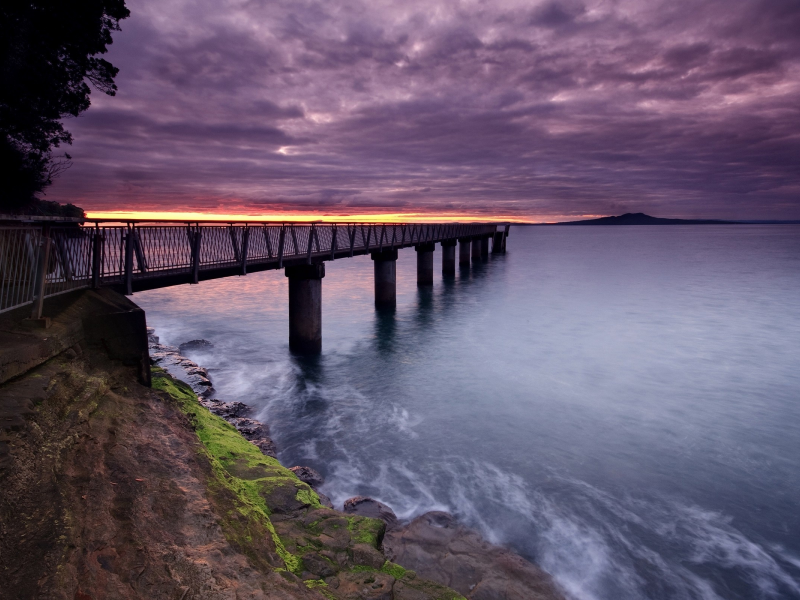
48, 54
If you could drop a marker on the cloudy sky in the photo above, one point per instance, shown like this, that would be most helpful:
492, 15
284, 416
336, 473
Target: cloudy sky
532, 110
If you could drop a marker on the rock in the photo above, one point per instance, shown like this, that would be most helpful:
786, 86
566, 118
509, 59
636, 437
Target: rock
230, 410
367, 507
308, 475
195, 345
369, 585
318, 565
437, 547
250, 428
268, 448
323, 499
197, 371
364, 554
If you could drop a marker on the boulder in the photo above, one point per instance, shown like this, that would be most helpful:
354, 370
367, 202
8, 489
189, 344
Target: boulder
308, 475
250, 428
323, 499
229, 410
195, 345
367, 507
437, 547
319, 565
364, 554
268, 448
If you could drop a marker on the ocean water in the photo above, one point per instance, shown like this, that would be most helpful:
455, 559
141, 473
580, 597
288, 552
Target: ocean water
619, 404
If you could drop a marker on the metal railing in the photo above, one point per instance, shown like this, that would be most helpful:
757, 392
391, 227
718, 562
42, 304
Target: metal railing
57, 258
19, 254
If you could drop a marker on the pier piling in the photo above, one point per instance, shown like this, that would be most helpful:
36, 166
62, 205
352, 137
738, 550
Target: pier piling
424, 263
305, 308
385, 278
449, 257
484, 248
463, 251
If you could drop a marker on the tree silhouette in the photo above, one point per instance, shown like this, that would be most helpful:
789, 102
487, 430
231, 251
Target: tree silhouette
48, 58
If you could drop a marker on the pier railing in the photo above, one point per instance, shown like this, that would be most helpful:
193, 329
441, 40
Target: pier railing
39, 260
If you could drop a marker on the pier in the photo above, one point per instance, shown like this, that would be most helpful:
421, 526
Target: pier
41, 258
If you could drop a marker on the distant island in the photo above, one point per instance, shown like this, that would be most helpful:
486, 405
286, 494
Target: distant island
643, 219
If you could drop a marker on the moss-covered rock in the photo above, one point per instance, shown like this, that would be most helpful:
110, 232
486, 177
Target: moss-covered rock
260, 498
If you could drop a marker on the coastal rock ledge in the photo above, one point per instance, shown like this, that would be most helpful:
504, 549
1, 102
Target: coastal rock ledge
436, 546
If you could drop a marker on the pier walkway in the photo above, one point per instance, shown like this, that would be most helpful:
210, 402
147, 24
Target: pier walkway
40, 258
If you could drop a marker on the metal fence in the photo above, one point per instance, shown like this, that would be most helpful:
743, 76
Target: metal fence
61, 258
19, 253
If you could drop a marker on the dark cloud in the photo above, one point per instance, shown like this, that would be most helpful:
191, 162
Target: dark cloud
676, 108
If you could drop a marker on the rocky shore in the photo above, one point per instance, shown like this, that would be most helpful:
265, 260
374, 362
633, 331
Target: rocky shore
120, 481
434, 545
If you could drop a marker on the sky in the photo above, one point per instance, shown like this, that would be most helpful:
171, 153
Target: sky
536, 111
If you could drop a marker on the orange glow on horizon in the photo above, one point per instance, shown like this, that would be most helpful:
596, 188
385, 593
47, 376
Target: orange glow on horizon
123, 215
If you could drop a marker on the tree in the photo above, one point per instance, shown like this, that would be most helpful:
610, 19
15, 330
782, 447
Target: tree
48, 58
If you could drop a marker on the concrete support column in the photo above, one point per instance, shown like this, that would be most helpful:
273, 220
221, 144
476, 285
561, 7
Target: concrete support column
305, 308
463, 251
425, 263
484, 248
497, 242
476, 250
385, 278
449, 257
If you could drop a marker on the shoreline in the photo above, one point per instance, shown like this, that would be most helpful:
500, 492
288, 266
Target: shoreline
433, 544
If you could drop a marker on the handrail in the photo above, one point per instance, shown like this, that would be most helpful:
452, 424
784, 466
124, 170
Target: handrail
145, 254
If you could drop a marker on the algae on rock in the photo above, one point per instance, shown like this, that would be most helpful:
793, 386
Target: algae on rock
258, 496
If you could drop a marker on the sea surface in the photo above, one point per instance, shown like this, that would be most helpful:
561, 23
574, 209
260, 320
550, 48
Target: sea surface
619, 404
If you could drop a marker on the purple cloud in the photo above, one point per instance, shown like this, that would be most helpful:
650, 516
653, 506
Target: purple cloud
547, 109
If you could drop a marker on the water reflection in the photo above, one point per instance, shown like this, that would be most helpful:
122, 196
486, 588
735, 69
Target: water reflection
385, 330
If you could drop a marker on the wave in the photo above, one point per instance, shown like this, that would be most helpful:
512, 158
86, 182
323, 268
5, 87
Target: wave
598, 544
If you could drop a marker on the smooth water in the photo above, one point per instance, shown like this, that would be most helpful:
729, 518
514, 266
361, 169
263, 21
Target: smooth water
619, 404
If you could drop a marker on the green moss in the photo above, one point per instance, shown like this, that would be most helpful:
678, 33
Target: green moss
393, 569
365, 530
247, 481
307, 496
362, 569
231, 455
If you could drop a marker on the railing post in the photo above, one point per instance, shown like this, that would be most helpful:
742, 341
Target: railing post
137, 248
294, 239
333, 241
267, 242
129, 260
369, 234
245, 247
235, 243
281, 239
196, 241
310, 241
97, 256
40, 280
